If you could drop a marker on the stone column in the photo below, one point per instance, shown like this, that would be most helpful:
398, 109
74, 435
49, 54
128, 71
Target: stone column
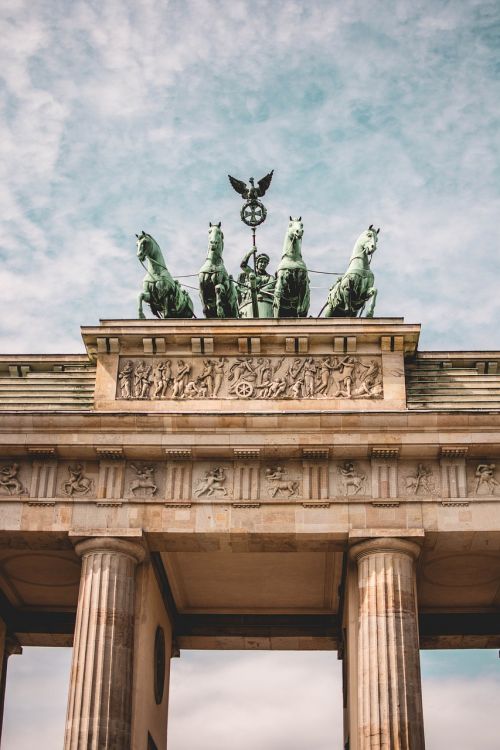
9, 645
389, 711
99, 708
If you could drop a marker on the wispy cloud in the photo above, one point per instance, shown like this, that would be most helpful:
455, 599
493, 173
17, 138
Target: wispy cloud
269, 700
123, 116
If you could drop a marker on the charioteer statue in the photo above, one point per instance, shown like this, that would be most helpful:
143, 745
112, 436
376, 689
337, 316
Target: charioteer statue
257, 293
256, 287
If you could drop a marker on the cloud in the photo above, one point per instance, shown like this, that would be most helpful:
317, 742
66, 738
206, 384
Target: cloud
269, 700
124, 117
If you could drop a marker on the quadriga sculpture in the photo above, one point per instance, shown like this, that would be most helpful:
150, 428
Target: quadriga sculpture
217, 289
291, 294
350, 293
164, 295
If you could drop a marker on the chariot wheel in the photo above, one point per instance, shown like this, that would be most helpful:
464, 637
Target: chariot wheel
244, 389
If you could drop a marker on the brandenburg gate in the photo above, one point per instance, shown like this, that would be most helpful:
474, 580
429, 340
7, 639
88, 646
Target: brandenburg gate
248, 484
257, 479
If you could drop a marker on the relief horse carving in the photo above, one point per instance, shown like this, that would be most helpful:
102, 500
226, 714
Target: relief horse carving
164, 295
217, 289
348, 296
291, 294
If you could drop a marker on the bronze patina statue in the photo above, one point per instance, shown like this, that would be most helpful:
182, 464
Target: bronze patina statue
291, 295
348, 296
164, 295
256, 288
217, 288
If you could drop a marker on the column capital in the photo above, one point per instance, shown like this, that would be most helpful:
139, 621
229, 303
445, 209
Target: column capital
384, 544
106, 544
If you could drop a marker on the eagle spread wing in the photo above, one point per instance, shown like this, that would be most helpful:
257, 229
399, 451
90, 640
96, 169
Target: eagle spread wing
239, 186
264, 183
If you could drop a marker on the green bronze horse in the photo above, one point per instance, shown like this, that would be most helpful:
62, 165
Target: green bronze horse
348, 296
217, 288
164, 295
291, 294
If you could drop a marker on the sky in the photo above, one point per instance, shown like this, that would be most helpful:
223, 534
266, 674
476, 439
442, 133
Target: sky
123, 115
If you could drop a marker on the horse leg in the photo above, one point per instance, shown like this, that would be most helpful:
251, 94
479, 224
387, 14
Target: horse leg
143, 297
219, 298
278, 292
373, 294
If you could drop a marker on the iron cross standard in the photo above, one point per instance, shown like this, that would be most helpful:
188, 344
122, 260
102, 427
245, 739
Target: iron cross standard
253, 212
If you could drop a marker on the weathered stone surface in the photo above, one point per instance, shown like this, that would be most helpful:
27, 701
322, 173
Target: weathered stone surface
100, 699
389, 686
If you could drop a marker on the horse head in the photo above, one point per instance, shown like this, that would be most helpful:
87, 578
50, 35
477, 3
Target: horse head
366, 244
295, 229
144, 241
215, 238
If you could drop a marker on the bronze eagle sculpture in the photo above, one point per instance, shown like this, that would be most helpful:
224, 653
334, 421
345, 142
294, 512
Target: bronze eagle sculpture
252, 192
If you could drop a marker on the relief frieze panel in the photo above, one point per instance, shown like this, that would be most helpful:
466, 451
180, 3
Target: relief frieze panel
483, 479
222, 481
13, 479
420, 479
212, 481
266, 378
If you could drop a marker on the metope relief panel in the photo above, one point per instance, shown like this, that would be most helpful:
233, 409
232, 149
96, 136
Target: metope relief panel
281, 481
351, 478
77, 479
144, 480
15, 478
212, 481
267, 378
483, 478
419, 479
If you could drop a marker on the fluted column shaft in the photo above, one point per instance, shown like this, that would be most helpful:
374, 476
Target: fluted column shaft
99, 707
389, 686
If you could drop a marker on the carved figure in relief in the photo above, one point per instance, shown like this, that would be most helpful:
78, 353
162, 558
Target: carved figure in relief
142, 379
326, 369
207, 376
277, 388
485, 479
219, 372
10, 481
78, 483
244, 377
202, 390
295, 370
352, 481
191, 390
277, 482
180, 379
310, 371
163, 378
125, 379
421, 480
212, 483
297, 389
144, 481
369, 380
